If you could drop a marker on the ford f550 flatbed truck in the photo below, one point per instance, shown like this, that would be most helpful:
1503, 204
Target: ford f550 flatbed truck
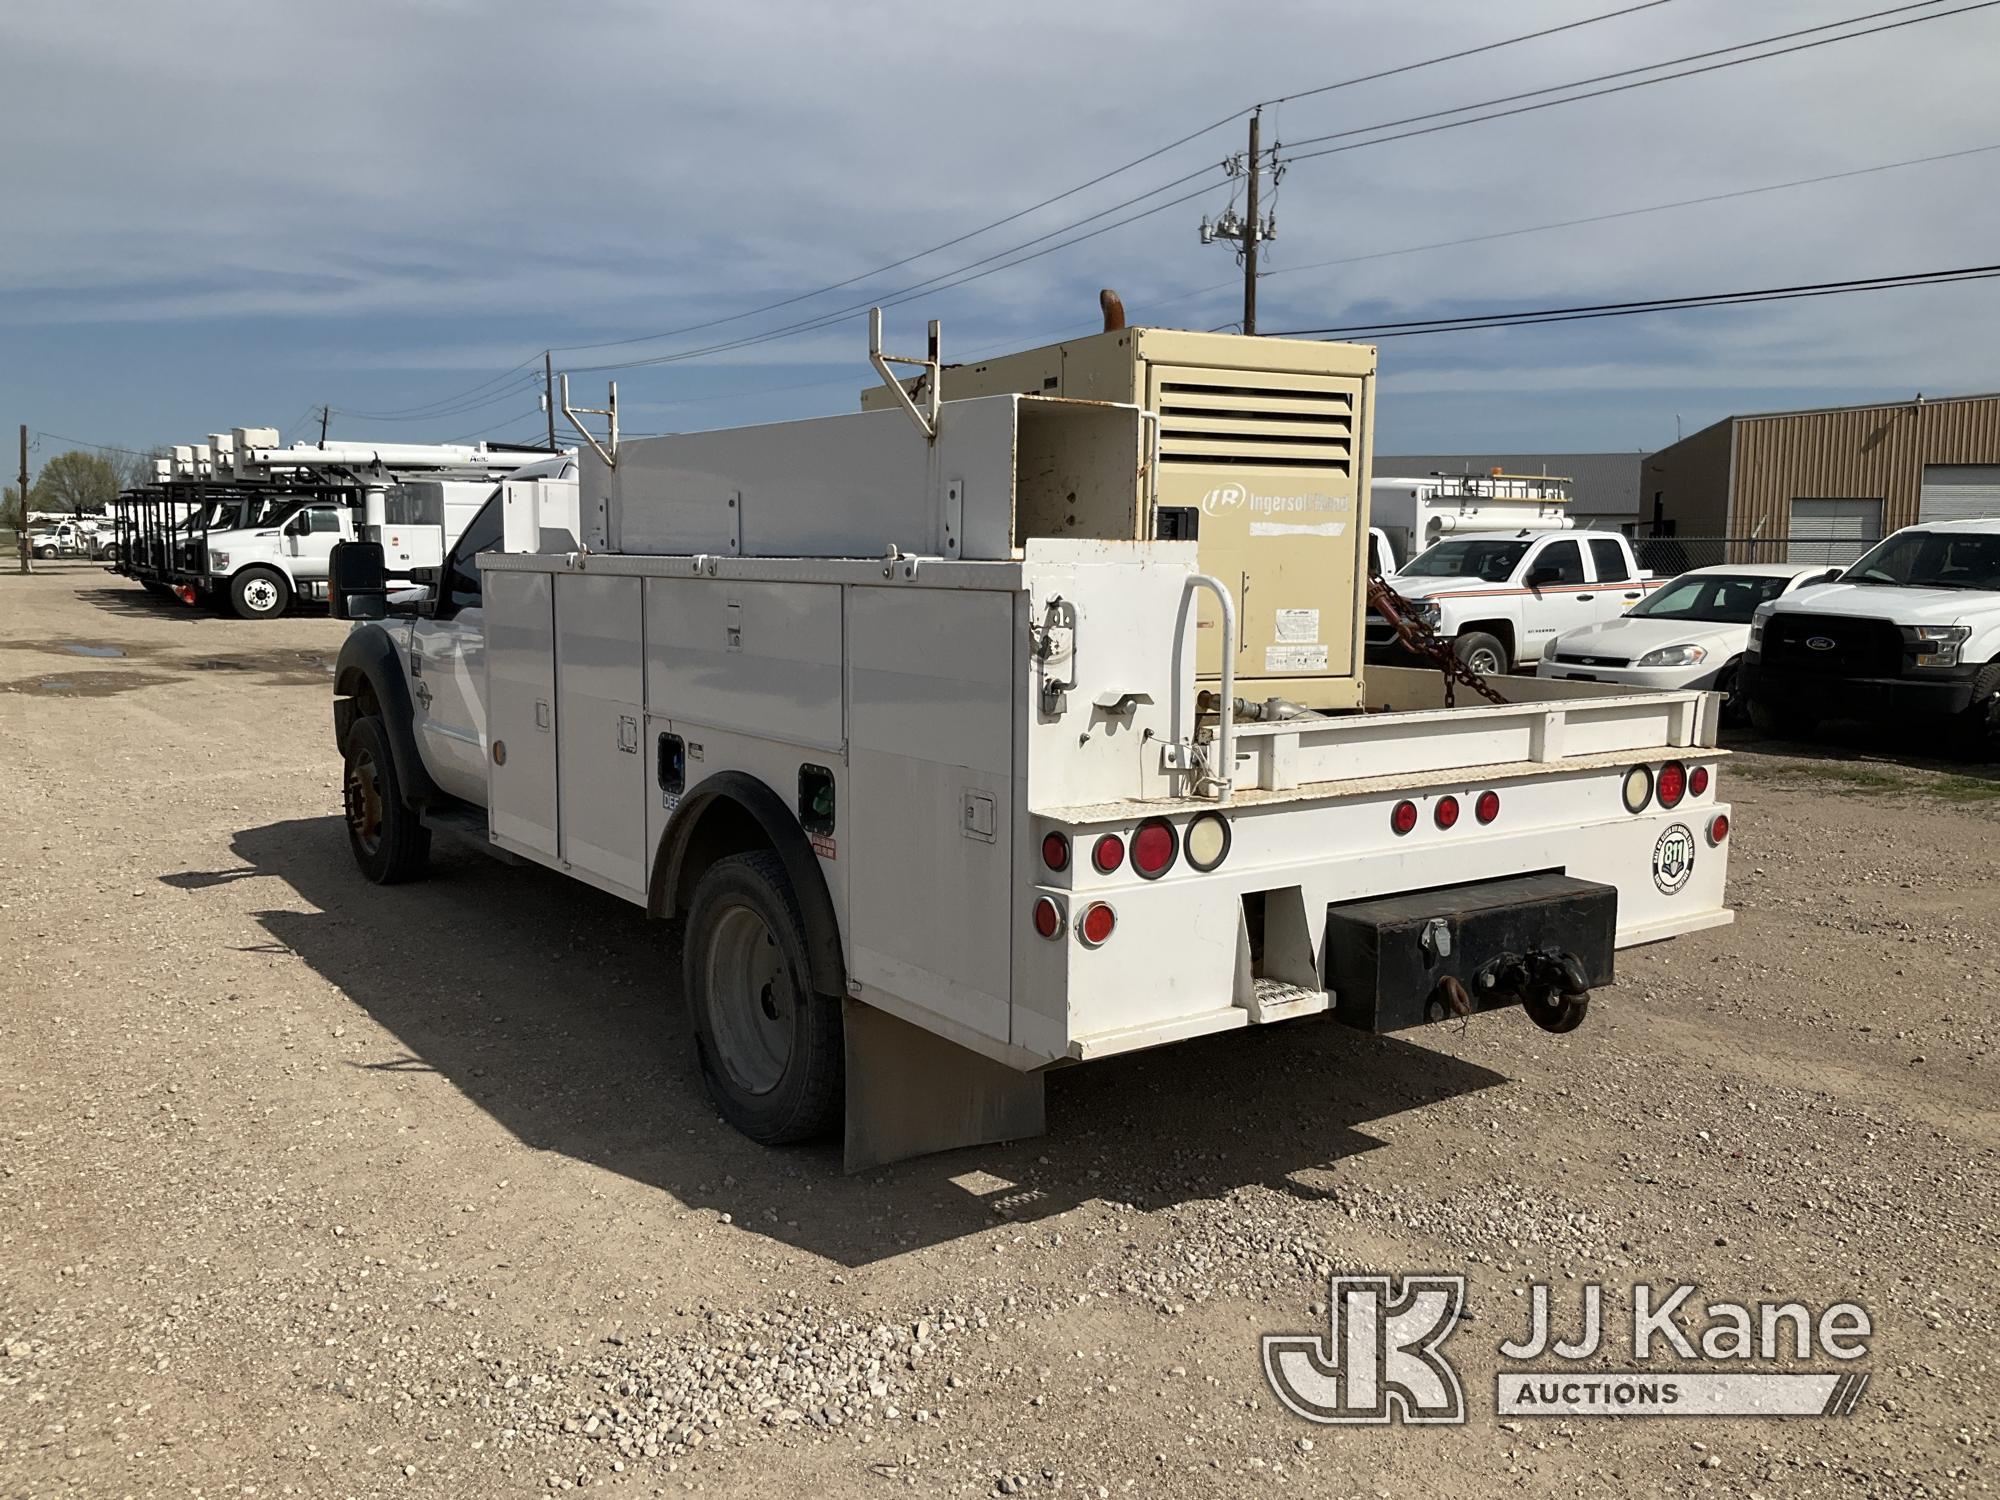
901, 714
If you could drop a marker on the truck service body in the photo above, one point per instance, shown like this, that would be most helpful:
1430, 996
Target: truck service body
905, 720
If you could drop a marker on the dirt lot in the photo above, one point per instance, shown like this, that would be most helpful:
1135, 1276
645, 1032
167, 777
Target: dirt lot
311, 1188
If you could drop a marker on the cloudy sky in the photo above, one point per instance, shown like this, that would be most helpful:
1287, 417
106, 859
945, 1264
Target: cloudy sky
227, 212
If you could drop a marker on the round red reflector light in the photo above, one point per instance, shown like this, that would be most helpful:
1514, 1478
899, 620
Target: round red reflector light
1446, 812
1098, 922
1108, 853
1048, 918
1672, 785
1403, 817
1055, 851
1718, 828
1698, 780
1487, 808
1154, 848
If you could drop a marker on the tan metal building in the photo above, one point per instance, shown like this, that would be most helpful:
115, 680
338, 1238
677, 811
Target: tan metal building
1819, 486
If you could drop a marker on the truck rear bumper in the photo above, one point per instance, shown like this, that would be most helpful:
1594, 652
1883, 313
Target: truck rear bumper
1936, 695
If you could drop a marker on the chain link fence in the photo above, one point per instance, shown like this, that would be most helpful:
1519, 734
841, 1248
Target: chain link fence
1668, 555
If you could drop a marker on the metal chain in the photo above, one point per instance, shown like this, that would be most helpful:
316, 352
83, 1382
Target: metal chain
1421, 639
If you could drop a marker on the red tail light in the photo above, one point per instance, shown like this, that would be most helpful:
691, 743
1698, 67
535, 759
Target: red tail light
1048, 918
1487, 808
1403, 818
1154, 848
1446, 812
1108, 853
1097, 924
1698, 780
1055, 851
1718, 828
1672, 785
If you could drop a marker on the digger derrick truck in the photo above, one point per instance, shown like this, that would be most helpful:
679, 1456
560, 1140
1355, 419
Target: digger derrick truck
909, 718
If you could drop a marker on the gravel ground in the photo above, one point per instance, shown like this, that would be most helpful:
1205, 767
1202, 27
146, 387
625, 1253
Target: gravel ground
310, 1188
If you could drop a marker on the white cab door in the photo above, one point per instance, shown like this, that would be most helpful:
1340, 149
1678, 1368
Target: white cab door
309, 539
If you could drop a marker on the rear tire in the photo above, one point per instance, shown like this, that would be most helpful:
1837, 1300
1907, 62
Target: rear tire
259, 594
387, 834
1483, 653
770, 1047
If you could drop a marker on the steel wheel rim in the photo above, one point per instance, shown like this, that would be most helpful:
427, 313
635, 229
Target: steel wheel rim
260, 594
364, 802
751, 1000
1484, 662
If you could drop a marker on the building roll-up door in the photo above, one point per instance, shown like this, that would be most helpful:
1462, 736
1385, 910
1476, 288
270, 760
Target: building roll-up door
1832, 531
1959, 492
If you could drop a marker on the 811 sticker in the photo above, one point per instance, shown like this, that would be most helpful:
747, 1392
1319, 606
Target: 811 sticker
1673, 858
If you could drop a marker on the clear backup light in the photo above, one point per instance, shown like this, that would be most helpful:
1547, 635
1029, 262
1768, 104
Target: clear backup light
1207, 841
1638, 789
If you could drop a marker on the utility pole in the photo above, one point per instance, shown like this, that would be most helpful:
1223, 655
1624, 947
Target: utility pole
325, 416
549, 393
1250, 239
26, 565
1256, 226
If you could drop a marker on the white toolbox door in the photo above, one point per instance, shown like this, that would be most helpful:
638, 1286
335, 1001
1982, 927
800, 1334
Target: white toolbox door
519, 620
601, 667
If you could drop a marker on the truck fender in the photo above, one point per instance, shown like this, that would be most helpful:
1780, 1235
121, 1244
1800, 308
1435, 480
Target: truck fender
370, 667
729, 813
1503, 628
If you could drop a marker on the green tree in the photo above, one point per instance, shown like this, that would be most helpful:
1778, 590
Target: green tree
10, 509
77, 481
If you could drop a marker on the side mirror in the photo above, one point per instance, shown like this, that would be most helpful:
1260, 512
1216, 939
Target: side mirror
1543, 576
357, 583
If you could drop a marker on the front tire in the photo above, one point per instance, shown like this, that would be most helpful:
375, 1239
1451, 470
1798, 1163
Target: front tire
770, 1046
1782, 723
1483, 653
259, 594
387, 834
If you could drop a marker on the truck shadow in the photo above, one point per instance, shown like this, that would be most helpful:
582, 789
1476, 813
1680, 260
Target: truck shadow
553, 1007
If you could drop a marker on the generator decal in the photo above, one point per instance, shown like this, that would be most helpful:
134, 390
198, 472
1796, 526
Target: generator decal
1295, 658
1298, 625
1673, 859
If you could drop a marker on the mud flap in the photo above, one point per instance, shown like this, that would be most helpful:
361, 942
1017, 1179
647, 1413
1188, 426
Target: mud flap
911, 1092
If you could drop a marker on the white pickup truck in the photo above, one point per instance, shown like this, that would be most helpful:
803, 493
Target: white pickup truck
938, 817
1910, 634
1500, 597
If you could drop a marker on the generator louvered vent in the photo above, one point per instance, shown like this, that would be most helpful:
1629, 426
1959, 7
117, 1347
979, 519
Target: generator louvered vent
1227, 419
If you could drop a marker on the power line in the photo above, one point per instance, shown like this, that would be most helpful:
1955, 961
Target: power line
944, 281
1471, 322
1523, 109
99, 447
1103, 177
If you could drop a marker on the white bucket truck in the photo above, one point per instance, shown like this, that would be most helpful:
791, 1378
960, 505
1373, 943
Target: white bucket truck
921, 764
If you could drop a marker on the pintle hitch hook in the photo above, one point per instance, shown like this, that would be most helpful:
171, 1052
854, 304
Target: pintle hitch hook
1551, 987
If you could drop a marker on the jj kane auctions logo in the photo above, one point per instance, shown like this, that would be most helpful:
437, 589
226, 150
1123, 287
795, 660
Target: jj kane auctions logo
1382, 1357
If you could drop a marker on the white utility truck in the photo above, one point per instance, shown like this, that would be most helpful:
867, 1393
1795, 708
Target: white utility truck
899, 714
1415, 513
1500, 597
1910, 634
415, 498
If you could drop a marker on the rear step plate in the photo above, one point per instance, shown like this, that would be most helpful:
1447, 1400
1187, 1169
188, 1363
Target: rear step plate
1386, 957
